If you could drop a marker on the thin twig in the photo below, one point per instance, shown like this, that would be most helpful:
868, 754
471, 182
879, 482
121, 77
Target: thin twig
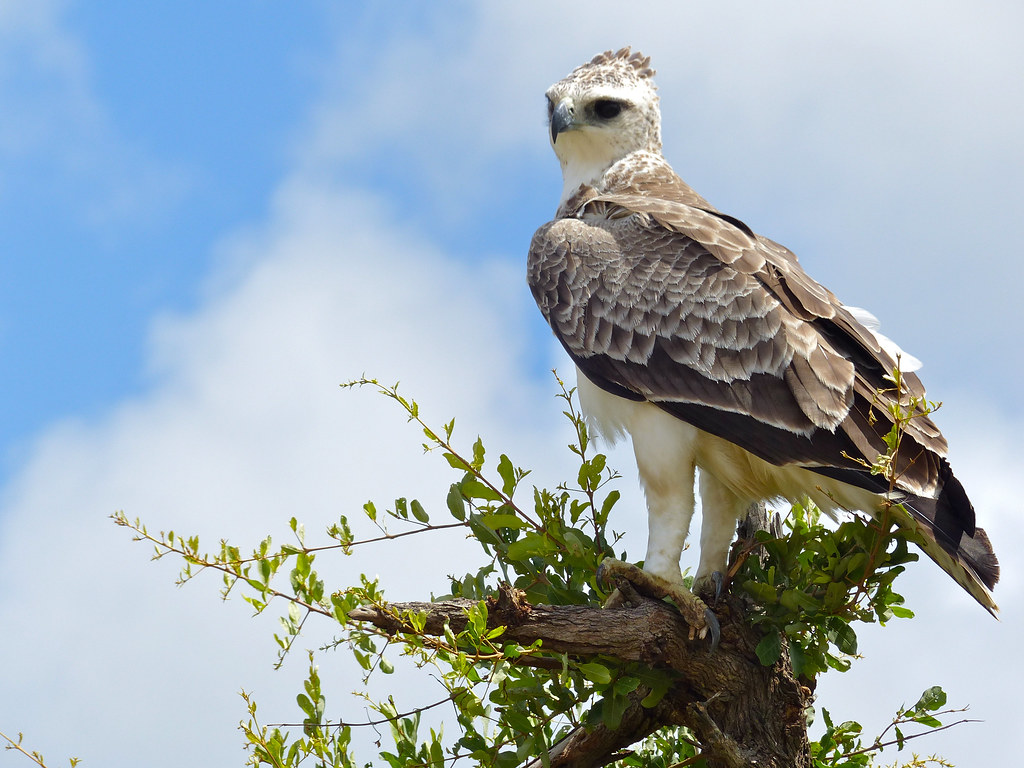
385, 721
878, 746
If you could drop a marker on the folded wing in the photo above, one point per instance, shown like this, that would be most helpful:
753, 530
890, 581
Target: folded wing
688, 309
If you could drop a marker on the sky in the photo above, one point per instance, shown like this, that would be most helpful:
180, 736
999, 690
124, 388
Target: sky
213, 214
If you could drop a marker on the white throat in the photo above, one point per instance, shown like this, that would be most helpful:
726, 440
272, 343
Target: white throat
578, 173
583, 161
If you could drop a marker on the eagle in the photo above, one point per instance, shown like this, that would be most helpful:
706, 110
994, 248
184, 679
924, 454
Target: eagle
711, 348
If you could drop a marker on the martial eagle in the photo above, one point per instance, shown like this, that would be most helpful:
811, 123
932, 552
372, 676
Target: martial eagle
711, 347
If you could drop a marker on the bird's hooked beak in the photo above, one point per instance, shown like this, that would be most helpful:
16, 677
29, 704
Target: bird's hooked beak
563, 118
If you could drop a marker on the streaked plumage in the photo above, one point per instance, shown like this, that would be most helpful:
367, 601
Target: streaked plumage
711, 347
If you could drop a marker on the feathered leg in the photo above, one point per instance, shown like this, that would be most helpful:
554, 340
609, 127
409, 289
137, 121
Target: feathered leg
664, 455
721, 510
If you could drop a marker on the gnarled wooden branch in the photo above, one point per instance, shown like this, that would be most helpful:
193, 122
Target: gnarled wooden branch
742, 713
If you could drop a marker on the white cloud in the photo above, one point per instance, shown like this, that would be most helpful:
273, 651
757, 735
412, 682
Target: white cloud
244, 427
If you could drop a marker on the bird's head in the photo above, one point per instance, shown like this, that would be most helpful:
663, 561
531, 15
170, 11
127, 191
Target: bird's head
601, 112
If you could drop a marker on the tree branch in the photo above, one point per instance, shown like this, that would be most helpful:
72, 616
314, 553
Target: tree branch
599, 746
652, 632
726, 697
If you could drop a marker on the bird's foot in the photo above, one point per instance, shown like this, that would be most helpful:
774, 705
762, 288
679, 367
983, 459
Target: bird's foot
698, 616
710, 585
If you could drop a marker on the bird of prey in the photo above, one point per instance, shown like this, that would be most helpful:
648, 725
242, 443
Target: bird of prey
713, 349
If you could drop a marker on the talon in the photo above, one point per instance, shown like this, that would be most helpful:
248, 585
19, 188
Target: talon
711, 586
719, 581
714, 627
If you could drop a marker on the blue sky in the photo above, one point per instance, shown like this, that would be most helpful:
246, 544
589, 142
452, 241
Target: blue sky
149, 133
210, 215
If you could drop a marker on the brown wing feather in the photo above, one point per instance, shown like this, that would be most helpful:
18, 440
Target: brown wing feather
690, 306
831, 340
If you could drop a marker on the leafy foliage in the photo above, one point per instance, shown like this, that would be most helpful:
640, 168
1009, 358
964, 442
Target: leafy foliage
508, 703
816, 581
842, 745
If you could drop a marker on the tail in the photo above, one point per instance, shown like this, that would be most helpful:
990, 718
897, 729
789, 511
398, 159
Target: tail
944, 528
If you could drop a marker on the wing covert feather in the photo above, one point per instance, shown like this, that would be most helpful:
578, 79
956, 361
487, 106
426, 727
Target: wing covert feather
666, 302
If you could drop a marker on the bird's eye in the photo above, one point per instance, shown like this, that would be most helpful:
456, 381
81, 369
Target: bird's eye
606, 109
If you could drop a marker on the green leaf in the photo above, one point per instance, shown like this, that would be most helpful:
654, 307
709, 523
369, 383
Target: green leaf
484, 534
626, 685
436, 755
474, 489
577, 541
525, 747
455, 462
798, 658
795, 599
855, 566
843, 636
456, 504
770, 648
340, 606
502, 520
531, 545
608, 503
418, 512
589, 476
508, 475
402, 508
305, 705
762, 593
835, 597
658, 691
595, 672
932, 699
613, 708
478, 454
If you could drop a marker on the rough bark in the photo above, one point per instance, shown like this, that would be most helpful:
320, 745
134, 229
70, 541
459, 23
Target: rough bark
742, 713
